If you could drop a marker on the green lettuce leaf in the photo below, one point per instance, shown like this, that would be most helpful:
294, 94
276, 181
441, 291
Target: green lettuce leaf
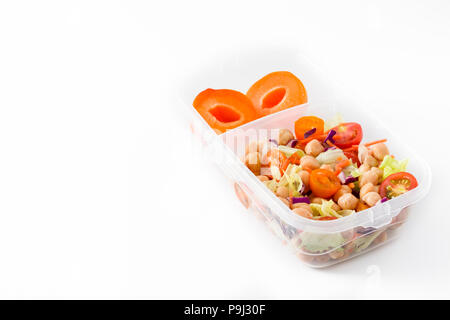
271, 184
319, 242
292, 180
290, 151
365, 241
333, 122
391, 165
324, 209
345, 213
330, 156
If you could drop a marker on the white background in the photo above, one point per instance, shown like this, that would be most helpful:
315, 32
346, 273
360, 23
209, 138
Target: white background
100, 196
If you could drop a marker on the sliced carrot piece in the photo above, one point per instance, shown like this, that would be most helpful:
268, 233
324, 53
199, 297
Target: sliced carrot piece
304, 124
294, 159
361, 206
341, 165
275, 92
355, 147
224, 109
375, 142
352, 148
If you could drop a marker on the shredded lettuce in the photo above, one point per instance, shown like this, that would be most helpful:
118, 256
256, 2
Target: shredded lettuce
333, 122
324, 209
292, 180
345, 213
331, 156
391, 165
319, 242
365, 241
271, 184
355, 173
288, 151
351, 170
276, 172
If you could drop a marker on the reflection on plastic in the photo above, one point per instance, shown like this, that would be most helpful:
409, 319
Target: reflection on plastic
373, 281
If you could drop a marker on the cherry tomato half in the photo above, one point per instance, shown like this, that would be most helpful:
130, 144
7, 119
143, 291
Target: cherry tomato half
397, 184
347, 134
324, 183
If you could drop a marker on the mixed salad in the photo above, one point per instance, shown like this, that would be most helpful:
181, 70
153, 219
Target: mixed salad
324, 172
321, 171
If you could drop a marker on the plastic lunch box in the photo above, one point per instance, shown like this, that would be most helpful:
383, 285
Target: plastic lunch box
358, 233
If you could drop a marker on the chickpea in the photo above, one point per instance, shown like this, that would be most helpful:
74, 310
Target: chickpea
371, 198
364, 168
379, 151
304, 175
337, 253
309, 163
379, 172
365, 189
368, 177
363, 152
322, 259
303, 212
284, 136
341, 191
326, 167
371, 161
285, 201
314, 148
253, 162
303, 206
348, 201
282, 192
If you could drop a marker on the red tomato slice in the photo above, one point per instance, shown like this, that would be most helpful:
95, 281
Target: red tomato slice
353, 155
324, 183
397, 184
347, 135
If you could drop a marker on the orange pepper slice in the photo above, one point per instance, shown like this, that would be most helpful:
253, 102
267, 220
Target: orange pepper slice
275, 92
224, 109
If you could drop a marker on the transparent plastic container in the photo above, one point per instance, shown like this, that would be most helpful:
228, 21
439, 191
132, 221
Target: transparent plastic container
339, 239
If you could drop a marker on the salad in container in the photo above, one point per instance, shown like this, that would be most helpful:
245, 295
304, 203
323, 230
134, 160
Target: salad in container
324, 175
